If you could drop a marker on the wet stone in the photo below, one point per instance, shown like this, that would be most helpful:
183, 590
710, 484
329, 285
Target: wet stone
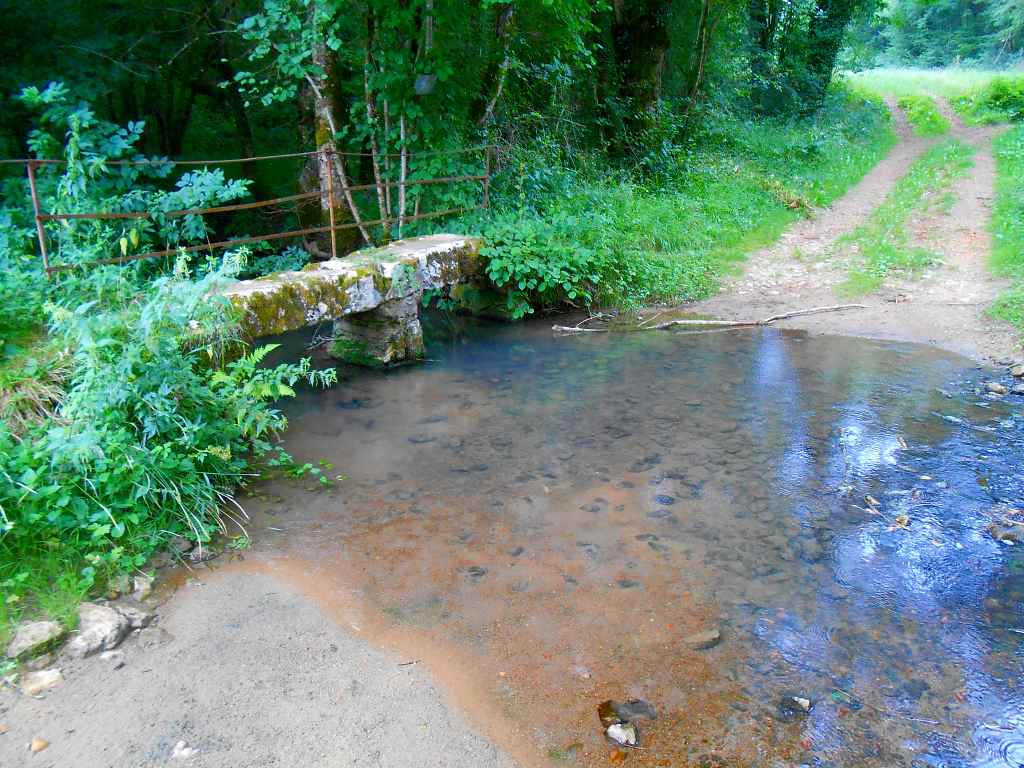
792, 707
515, 551
665, 500
474, 572
627, 584
702, 641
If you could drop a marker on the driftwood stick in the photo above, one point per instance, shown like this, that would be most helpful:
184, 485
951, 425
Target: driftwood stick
714, 323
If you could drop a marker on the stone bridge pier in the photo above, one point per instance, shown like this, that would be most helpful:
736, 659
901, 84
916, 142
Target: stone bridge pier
372, 297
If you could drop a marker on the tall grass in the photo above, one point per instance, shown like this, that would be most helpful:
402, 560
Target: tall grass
1008, 226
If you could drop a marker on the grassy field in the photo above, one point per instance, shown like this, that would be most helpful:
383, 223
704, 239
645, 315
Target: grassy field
979, 96
1008, 226
949, 83
881, 245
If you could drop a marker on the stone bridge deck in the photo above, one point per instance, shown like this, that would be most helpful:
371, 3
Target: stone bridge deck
372, 296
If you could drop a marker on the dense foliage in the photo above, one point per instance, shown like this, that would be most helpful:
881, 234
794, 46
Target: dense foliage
938, 33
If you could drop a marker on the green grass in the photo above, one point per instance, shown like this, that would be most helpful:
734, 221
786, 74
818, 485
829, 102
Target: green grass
881, 244
1008, 226
924, 115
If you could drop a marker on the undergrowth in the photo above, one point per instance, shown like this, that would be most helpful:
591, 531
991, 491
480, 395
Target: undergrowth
613, 237
924, 115
882, 245
1008, 226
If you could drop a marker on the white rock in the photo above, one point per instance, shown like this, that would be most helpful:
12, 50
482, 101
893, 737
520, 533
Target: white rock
34, 683
100, 628
32, 637
622, 733
183, 751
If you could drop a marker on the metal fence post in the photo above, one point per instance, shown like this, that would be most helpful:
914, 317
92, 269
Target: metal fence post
330, 201
40, 232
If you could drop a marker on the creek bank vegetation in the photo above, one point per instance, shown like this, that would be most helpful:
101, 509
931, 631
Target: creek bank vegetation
638, 151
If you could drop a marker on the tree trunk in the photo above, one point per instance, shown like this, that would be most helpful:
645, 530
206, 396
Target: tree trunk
640, 37
321, 104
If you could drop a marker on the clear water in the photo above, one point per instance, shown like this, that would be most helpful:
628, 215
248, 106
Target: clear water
548, 519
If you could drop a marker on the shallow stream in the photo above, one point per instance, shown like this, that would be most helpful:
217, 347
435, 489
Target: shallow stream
544, 521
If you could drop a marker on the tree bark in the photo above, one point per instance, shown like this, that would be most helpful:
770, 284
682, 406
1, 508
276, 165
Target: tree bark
640, 36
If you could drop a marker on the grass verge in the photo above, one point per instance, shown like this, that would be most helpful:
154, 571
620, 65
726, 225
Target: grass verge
881, 245
1008, 226
924, 115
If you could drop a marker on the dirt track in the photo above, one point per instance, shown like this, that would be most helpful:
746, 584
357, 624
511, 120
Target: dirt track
944, 307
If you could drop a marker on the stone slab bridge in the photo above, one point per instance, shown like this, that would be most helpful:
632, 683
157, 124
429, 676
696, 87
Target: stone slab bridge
372, 296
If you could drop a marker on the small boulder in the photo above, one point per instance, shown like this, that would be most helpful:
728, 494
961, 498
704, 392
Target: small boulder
100, 628
34, 637
702, 641
1017, 389
996, 388
35, 683
1018, 371
38, 745
134, 613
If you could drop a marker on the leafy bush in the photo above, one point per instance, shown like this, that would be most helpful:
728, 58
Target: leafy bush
152, 436
1001, 100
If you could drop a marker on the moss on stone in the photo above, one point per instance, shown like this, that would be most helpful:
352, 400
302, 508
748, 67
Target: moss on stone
354, 353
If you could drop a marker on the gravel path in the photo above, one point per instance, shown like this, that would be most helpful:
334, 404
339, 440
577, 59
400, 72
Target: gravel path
245, 672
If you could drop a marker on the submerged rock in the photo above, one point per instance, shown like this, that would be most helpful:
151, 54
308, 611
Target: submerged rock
996, 388
702, 641
34, 637
792, 707
1007, 533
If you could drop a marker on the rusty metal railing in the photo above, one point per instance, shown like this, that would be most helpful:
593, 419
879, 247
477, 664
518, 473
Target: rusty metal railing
42, 217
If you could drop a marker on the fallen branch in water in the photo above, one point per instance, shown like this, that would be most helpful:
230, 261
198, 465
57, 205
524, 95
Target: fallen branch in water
713, 323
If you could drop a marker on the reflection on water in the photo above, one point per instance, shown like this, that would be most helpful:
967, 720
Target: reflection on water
564, 512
